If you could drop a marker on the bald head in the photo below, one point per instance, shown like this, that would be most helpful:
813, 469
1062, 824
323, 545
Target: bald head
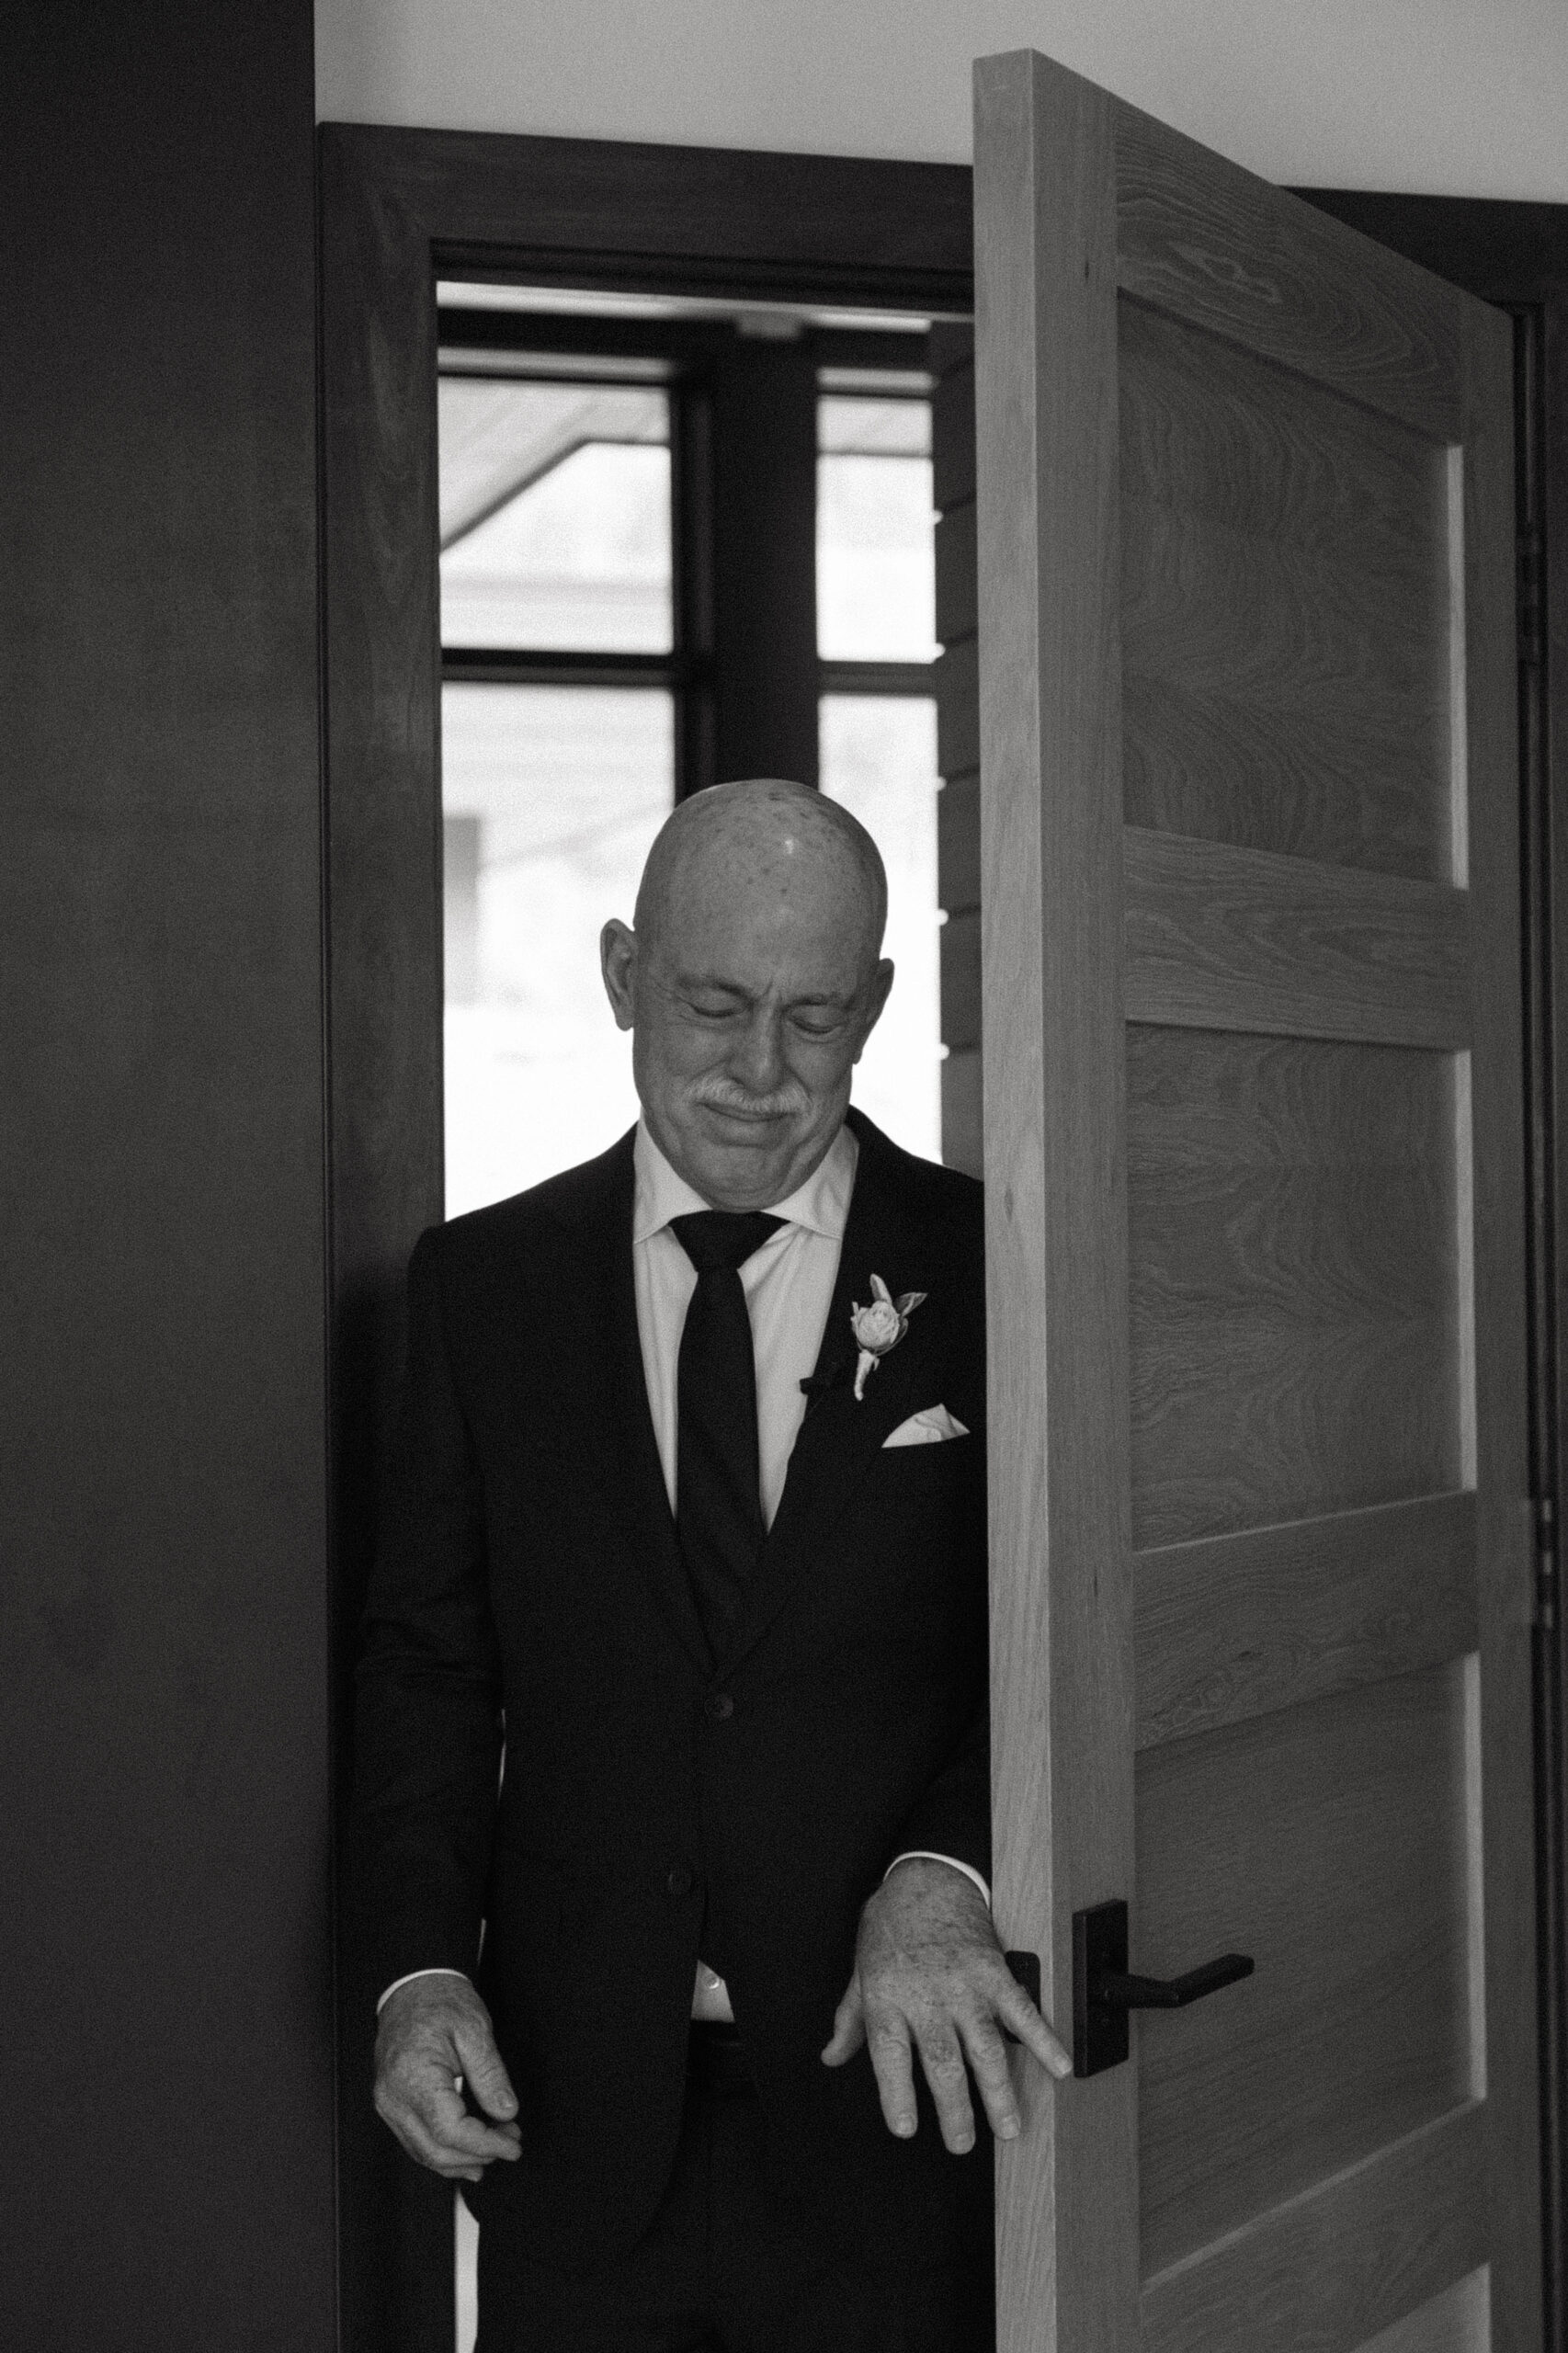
751, 981
766, 841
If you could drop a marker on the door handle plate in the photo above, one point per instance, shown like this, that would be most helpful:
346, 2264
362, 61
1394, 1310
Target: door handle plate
1103, 1992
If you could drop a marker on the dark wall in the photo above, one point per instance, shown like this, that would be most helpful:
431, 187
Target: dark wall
165, 2161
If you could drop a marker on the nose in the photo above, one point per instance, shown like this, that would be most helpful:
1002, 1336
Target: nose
757, 1063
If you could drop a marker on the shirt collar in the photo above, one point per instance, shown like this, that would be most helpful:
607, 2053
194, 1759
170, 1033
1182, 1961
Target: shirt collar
820, 1204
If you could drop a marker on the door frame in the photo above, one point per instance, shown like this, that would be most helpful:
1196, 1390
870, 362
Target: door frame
1516, 255
395, 209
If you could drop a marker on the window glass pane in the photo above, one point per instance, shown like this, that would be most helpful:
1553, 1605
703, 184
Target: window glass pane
870, 428
876, 548
555, 516
879, 757
550, 796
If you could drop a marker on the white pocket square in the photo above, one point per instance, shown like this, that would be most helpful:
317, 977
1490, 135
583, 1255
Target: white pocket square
927, 1429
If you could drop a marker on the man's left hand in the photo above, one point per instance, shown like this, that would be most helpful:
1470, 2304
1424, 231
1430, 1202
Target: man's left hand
930, 1977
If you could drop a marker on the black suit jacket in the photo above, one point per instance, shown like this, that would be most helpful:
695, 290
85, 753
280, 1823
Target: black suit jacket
658, 1802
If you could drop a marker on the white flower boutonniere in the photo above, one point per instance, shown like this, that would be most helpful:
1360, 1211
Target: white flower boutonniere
879, 1326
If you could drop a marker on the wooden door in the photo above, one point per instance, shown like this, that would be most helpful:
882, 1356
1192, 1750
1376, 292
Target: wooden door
1262, 1572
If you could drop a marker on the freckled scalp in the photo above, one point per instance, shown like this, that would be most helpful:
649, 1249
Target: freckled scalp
757, 837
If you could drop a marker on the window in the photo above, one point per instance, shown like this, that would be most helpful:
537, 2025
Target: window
877, 606
552, 795
555, 516
616, 629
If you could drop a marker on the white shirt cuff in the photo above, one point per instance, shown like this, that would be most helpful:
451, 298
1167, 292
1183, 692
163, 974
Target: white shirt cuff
413, 1973
925, 1855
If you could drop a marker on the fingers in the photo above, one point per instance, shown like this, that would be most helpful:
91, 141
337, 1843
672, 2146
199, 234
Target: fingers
434, 2039
970, 2035
417, 2137
430, 2120
954, 2024
462, 2137
942, 2058
848, 2027
988, 2059
486, 2069
888, 2037
1016, 2011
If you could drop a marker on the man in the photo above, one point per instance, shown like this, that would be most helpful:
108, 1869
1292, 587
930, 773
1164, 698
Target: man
690, 1501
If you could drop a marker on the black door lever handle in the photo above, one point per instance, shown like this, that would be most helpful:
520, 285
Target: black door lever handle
1103, 1992
1112, 1990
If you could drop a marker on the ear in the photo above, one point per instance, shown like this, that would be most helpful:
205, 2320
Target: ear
876, 997
618, 962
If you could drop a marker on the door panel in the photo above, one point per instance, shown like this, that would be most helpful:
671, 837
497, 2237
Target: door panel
1334, 2267
1284, 609
1292, 1248
1327, 1841
1234, 1626
1260, 1593
1453, 2322
1219, 936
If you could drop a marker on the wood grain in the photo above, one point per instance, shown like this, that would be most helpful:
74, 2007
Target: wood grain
1198, 237
1235, 1626
1351, 2257
1327, 1841
1268, 453
1513, 254
1061, 1695
1456, 2320
1284, 611
1506, 1548
1291, 1251
1311, 2165
1225, 938
1284, 763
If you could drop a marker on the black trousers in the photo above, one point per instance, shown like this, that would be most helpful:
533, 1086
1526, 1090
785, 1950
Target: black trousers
722, 2270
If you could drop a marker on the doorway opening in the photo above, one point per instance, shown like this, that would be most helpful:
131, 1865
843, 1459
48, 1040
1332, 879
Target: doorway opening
679, 541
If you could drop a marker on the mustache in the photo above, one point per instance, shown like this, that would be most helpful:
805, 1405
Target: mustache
780, 1103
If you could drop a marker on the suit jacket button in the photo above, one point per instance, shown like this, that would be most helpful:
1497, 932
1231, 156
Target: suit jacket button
720, 1707
679, 1881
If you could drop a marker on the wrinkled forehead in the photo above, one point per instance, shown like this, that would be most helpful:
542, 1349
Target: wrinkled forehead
793, 908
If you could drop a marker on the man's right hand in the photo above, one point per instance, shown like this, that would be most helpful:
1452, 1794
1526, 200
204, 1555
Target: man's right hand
434, 2036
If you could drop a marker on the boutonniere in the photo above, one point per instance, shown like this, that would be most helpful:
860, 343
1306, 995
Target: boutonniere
879, 1326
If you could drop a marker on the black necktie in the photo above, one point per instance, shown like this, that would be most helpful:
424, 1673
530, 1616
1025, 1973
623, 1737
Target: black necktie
718, 1506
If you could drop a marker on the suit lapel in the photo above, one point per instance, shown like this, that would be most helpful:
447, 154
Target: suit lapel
841, 1433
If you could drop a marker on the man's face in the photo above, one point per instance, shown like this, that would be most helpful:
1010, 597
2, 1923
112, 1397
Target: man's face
749, 1005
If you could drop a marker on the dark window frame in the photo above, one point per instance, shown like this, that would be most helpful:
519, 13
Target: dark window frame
686, 354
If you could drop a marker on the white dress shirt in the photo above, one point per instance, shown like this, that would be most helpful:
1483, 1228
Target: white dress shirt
788, 1290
